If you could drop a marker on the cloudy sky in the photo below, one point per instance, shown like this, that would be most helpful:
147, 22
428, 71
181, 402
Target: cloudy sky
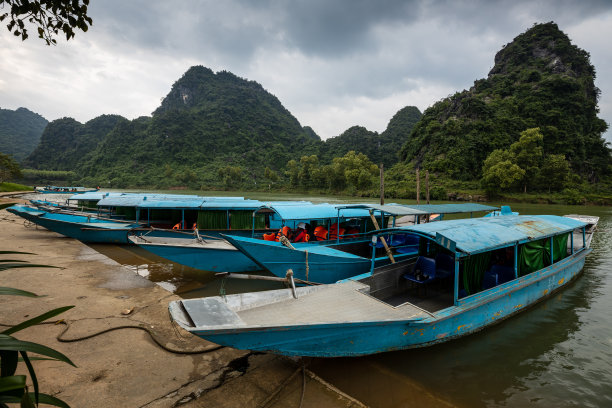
332, 63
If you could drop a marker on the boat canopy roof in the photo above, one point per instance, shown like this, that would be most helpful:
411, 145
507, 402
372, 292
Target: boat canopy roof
325, 210
475, 235
95, 195
452, 208
390, 209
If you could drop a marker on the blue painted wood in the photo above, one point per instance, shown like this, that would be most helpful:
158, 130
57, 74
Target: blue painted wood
355, 339
325, 264
207, 259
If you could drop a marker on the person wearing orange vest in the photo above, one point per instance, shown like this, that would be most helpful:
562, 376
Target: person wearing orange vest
301, 235
334, 232
320, 233
286, 231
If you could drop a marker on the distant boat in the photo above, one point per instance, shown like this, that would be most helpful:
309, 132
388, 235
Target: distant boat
158, 215
220, 256
499, 266
345, 255
64, 190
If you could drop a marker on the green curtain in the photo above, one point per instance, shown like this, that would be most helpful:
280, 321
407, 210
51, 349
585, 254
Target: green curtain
559, 247
243, 220
212, 220
474, 268
533, 256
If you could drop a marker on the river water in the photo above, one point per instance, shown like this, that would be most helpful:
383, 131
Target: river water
555, 354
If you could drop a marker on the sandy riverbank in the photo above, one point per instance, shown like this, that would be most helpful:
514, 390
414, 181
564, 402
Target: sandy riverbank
126, 368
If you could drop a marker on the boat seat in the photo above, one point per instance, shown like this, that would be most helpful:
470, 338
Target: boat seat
424, 271
407, 249
406, 244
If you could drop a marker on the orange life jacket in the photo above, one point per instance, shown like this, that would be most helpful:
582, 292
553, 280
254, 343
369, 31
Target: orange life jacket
177, 226
320, 233
334, 231
286, 231
195, 226
269, 237
302, 236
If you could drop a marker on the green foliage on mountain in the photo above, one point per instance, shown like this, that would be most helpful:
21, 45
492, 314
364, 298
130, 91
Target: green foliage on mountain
207, 122
66, 143
540, 80
20, 132
380, 148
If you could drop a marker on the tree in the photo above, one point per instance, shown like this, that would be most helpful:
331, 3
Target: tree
50, 17
8, 168
528, 154
500, 172
554, 172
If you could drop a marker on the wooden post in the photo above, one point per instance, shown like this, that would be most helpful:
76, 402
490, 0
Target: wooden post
382, 239
382, 184
427, 185
418, 181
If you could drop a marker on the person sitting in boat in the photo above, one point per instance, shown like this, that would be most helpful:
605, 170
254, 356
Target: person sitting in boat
301, 234
286, 231
320, 233
334, 231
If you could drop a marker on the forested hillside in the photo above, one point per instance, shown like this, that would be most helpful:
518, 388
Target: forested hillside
539, 80
65, 144
380, 148
20, 132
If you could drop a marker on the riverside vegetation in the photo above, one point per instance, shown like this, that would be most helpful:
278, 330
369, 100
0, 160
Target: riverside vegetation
529, 131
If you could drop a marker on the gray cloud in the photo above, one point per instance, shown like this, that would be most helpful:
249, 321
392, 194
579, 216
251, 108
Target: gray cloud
333, 64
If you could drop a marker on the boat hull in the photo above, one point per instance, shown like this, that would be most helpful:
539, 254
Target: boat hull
361, 338
207, 259
310, 262
87, 229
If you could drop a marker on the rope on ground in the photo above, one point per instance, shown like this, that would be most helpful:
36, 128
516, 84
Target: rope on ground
60, 338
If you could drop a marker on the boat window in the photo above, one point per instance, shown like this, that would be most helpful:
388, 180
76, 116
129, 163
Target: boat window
128, 213
243, 220
212, 219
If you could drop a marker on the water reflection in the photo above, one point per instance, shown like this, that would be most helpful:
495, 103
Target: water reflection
180, 279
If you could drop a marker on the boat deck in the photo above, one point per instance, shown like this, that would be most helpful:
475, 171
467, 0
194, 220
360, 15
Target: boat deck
183, 242
339, 303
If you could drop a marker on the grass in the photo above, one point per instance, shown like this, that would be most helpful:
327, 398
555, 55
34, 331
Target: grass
8, 187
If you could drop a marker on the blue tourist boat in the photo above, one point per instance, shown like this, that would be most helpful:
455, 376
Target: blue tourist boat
174, 216
499, 267
64, 190
207, 252
347, 254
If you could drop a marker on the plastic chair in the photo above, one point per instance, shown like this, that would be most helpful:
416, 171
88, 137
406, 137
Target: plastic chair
424, 271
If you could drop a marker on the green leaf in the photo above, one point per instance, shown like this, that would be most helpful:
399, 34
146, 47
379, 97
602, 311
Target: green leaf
9, 361
36, 320
26, 400
16, 292
28, 364
13, 382
23, 265
11, 343
50, 400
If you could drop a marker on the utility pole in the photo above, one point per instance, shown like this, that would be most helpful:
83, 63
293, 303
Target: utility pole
382, 184
427, 185
418, 181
